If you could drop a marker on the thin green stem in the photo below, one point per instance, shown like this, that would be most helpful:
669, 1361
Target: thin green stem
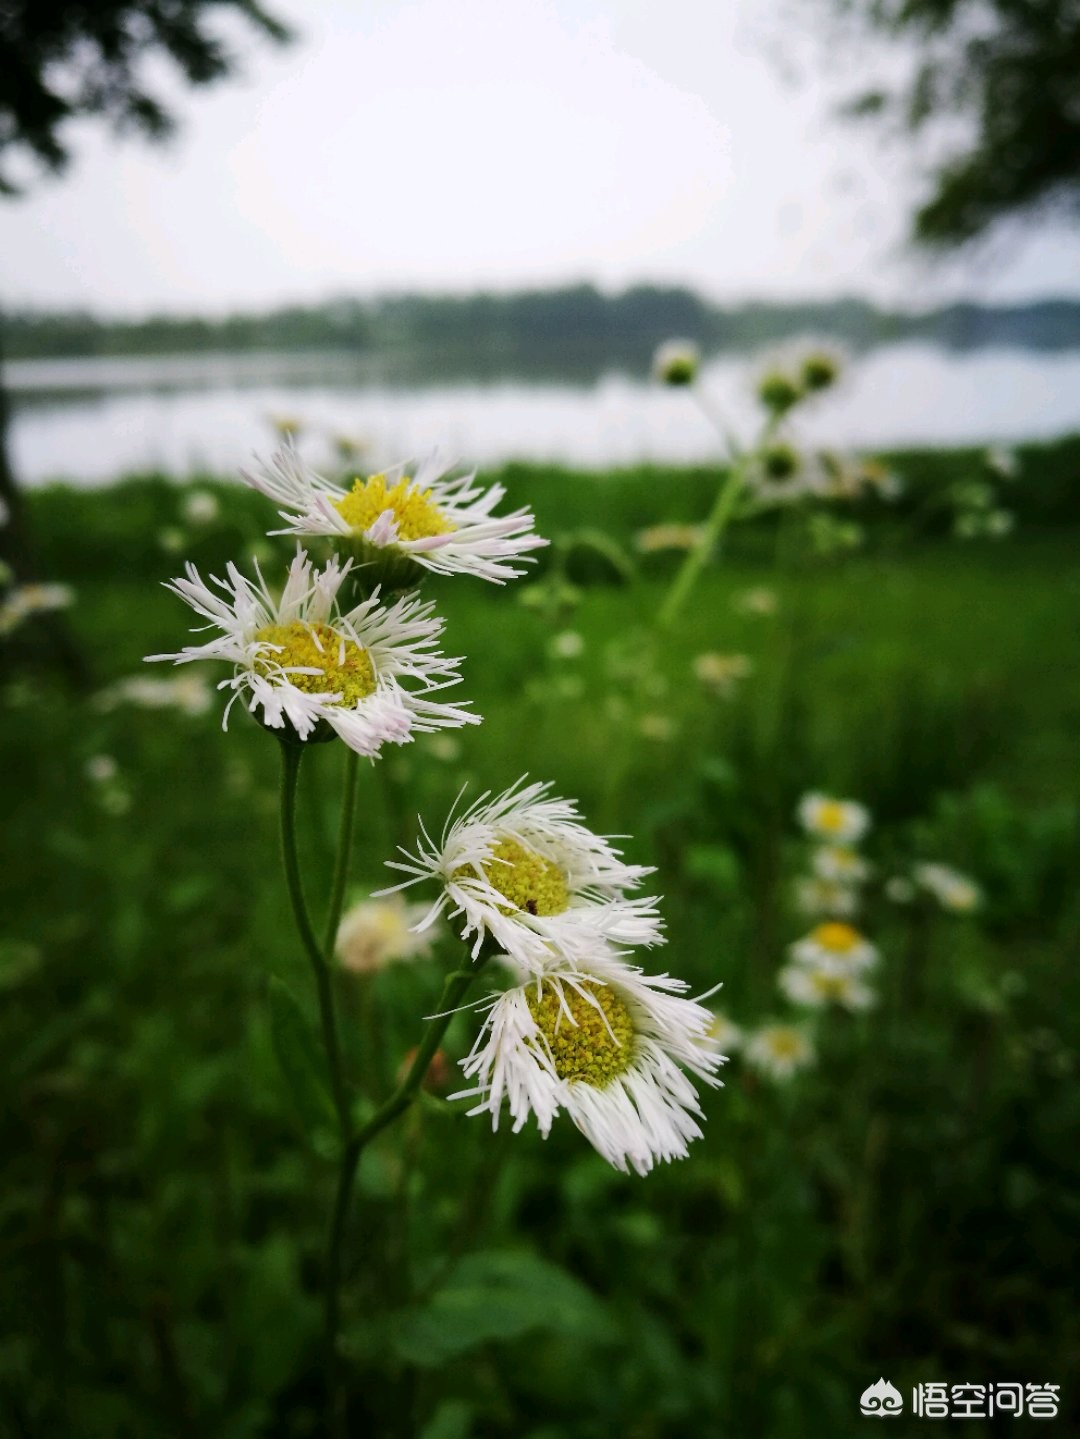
698, 557
291, 755
344, 854
454, 989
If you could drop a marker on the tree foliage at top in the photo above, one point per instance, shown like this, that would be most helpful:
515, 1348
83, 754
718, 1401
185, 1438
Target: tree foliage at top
1010, 69
61, 60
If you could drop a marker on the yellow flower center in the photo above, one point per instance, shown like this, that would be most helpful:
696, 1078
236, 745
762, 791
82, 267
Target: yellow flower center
343, 667
837, 937
415, 515
831, 815
785, 1043
528, 880
594, 1042
830, 986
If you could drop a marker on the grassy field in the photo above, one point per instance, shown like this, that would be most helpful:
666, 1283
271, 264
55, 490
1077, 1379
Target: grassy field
906, 1207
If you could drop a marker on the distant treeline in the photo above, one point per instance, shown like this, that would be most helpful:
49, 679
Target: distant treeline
577, 320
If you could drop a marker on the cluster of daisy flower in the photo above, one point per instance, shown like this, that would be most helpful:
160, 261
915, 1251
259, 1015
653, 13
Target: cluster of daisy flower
579, 1028
830, 964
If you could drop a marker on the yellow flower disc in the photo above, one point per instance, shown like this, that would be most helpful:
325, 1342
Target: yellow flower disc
344, 668
417, 518
590, 1044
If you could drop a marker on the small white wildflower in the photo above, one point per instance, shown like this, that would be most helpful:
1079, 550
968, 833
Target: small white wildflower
20, 603
835, 946
522, 868
722, 673
607, 1044
378, 932
668, 537
172, 540
302, 661
1004, 463
841, 863
190, 694
757, 600
830, 897
954, 891
899, 889
840, 820
200, 507
444, 525
815, 987
101, 769
779, 1051
568, 645
724, 1033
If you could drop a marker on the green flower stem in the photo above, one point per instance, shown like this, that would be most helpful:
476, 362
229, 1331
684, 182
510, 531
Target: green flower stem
454, 989
698, 557
344, 854
291, 755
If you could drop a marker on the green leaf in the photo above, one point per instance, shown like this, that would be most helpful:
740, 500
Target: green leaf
498, 1296
302, 1063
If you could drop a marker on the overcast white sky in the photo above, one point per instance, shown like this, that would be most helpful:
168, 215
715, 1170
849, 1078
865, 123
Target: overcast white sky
466, 144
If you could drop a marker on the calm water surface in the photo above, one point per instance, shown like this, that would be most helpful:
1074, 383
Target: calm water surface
90, 420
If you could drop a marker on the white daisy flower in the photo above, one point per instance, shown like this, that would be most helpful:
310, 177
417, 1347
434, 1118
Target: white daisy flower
523, 869
815, 987
722, 673
842, 821
835, 946
724, 1033
378, 932
608, 1046
952, 890
188, 693
303, 662
816, 896
445, 525
839, 862
35, 599
779, 1050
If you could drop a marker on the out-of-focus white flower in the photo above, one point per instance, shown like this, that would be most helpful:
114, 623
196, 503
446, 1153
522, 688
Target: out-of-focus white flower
724, 1033
899, 889
722, 673
657, 727
779, 1051
444, 525
842, 821
302, 661
815, 987
378, 932
841, 863
1004, 463
836, 947
677, 362
200, 507
757, 600
20, 603
101, 769
172, 540
817, 896
190, 694
781, 474
444, 747
607, 1044
523, 869
954, 891
668, 537
568, 645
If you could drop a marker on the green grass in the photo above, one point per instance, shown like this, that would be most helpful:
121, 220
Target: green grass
907, 1208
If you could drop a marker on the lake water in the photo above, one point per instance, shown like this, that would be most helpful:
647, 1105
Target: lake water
90, 420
